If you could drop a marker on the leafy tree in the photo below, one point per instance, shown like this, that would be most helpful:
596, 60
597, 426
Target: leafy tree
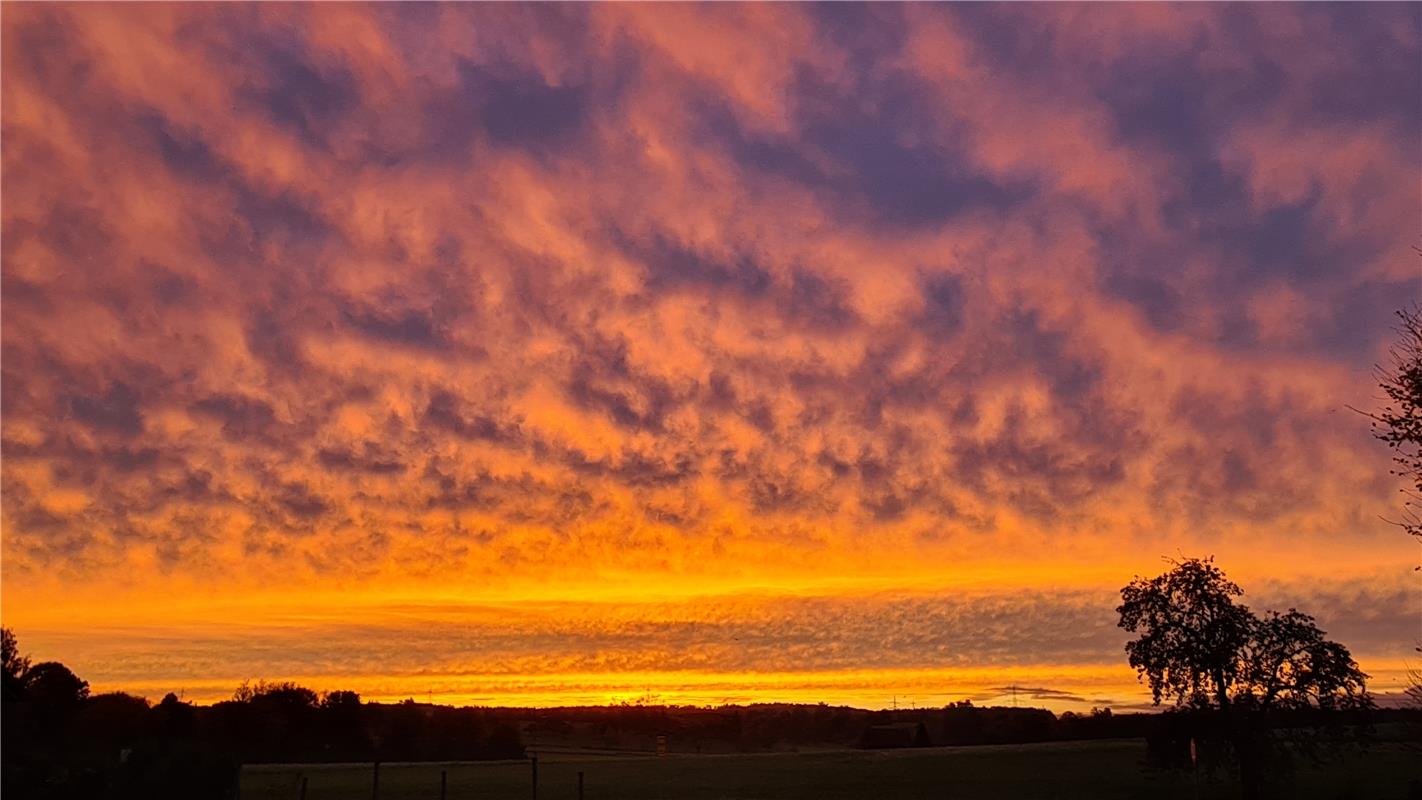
1192, 633
1205, 652
1399, 423
13, 665
1287, 664
285, 694
53, 685
173, 717
277, 693
244, 692
340, 700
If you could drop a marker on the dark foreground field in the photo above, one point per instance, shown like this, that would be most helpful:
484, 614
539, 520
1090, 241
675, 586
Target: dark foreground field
1087, 770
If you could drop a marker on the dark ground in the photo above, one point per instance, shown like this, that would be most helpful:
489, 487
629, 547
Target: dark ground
1088, 770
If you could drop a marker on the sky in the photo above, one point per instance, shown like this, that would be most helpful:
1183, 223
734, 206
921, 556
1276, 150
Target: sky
552, 354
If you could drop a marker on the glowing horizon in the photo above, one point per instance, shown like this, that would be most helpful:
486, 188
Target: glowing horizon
768, 352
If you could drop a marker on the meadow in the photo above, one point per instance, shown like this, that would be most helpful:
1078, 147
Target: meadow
1055, 771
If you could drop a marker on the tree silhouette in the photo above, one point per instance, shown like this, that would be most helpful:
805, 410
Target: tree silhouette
1287, 664
12, 666
1399, 423
53, 685
1192, 633
1205, 652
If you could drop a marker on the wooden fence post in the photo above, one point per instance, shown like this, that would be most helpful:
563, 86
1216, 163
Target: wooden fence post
580, 785
375, 782
303, 787
443, 784
534, 762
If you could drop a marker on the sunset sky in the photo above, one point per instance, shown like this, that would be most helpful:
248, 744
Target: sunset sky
552, 354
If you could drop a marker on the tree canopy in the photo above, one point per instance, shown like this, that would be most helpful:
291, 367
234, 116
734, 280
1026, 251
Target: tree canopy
1234, 670
1399, 422
12, 665
1200, 648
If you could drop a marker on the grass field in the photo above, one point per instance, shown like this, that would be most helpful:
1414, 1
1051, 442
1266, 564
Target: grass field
1086, 770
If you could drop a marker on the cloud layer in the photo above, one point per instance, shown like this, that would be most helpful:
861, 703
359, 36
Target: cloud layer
503, 303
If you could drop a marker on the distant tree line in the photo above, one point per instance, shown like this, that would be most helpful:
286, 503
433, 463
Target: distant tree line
60, 741
788, 726
784, 727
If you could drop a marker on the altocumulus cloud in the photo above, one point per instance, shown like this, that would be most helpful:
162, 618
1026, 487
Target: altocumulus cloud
548, 302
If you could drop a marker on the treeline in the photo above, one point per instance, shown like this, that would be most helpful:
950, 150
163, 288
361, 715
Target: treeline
60, 741
774, 726
769, 727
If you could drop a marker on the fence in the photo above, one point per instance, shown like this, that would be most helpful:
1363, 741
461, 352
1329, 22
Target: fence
288, 783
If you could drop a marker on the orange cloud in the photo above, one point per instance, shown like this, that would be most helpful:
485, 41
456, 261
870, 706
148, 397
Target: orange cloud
330, 306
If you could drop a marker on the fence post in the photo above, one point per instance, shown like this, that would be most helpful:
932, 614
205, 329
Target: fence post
443, 784
303, 787
375, 782
534, 763
580, 785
